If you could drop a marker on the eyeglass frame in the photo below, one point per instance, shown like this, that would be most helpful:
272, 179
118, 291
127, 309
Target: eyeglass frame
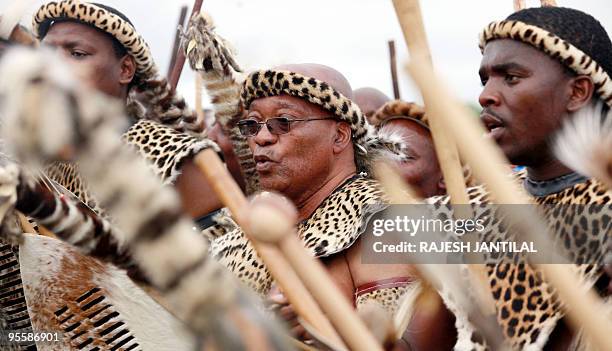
261, 124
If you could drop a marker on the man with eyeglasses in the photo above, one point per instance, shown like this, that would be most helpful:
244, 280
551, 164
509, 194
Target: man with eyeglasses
312, 144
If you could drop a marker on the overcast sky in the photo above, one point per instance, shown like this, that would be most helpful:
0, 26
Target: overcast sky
350, 36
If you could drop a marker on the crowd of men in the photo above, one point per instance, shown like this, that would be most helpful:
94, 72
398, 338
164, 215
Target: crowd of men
302, 131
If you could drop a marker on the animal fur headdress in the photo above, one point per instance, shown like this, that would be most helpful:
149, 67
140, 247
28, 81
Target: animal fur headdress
397, 109
574, 38
368, 143
153, 97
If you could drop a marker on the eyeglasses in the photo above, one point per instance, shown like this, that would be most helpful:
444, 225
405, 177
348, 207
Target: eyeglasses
276, 125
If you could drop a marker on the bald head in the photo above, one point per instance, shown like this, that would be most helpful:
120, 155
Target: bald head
369, 99
321, 72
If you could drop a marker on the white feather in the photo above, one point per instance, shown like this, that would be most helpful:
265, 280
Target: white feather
585, 143
11, 15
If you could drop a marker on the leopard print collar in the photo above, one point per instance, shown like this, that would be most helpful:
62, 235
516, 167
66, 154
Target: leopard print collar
337, 222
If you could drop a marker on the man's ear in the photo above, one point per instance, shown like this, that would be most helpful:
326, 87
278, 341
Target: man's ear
128, 69
581, 92
342, 139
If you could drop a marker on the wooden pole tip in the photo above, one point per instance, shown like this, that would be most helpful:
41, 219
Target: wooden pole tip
271, 217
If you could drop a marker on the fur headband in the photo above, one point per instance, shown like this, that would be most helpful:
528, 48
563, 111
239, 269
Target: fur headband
397, 109
369, 144
556, 47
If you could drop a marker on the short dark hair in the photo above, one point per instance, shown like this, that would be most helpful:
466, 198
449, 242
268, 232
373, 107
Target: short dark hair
576, 27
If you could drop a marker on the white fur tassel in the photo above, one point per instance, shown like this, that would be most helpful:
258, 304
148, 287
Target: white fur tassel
585, 143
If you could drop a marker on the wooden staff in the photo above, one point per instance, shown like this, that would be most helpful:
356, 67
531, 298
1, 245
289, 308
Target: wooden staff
272, 221
393, 65
409, 15
519, 5
548, 3
488, 162
180, 58
198, 101
232, 197
177, 39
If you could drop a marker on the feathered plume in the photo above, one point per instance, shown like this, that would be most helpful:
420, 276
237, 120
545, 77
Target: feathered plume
585, 142
159, 237
155, 99
212, 58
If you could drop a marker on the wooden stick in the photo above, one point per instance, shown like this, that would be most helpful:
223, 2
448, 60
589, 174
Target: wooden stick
519, 5
409, 15
269, 224
548, 3
487, 160
175, 75
393, 65
177, 39
232, 197
198, 100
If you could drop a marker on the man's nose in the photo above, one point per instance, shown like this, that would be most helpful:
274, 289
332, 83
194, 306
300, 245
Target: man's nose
489, 95
264, 137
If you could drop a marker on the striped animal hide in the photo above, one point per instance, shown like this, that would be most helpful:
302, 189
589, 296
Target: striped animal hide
86, 127
212, 58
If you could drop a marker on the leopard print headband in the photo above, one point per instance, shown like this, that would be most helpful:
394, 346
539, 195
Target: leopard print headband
102, 19
369, 144
554, 46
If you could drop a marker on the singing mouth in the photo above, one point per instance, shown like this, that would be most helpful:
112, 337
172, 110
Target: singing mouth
491, 122
262, 162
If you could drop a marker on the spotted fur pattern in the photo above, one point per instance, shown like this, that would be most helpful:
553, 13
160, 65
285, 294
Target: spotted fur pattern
164, 148
554, 46
212, 58
369, 145
387, 298
332, 228
399, 108
527, 307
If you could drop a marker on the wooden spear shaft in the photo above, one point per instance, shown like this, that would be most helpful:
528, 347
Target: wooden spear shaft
272, 225
409, 16
177, 39
583, 307
393, 66
232, 197
180, 58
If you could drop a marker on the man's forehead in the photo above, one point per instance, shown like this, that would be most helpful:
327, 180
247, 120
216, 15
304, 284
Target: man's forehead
508, 50
281, 102
74, 32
